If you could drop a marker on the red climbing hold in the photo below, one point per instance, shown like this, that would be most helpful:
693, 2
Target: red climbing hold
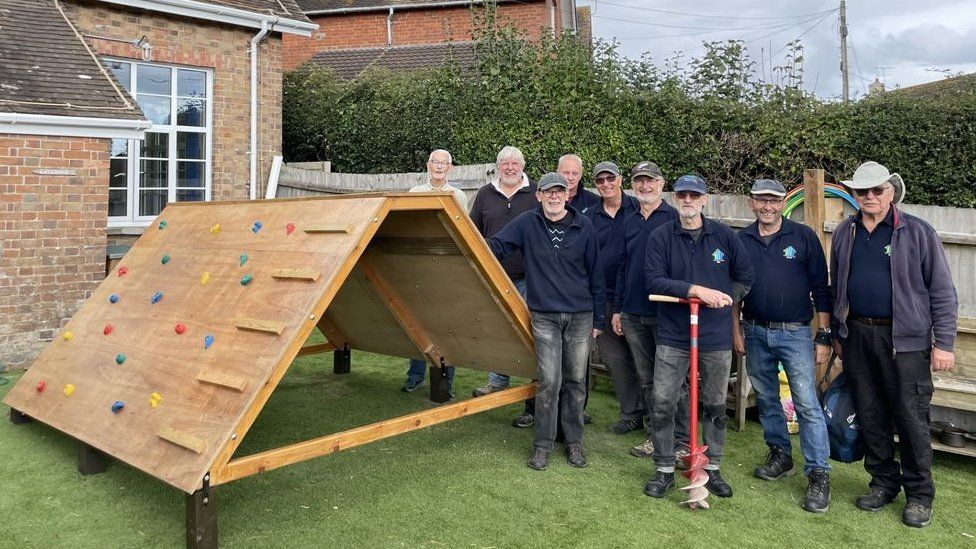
122, 270
107, 329
180, 328
40, 386
289, 228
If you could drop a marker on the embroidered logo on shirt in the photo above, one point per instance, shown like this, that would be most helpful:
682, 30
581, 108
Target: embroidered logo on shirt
887, 250
718, 256
789, 252
556, 236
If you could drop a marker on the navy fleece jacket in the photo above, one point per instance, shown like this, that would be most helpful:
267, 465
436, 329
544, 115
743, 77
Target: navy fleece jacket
631, 297
561, 276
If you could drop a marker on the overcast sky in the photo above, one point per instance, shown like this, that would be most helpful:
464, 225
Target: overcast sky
909, 38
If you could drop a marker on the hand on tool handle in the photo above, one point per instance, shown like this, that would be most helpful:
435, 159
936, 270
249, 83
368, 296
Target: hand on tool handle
712, 299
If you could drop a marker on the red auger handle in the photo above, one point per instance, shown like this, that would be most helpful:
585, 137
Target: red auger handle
672, 299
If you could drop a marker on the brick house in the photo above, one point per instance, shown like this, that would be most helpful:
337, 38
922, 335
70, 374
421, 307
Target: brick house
109, 109
409, 33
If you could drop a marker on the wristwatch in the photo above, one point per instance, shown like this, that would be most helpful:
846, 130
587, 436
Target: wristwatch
823, 337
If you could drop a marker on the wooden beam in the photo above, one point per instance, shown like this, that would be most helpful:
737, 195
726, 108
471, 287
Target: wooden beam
331, 331
287, 455
181, 439
298, 274
316, 349
814, 209
258, 325
222, 380
339, 228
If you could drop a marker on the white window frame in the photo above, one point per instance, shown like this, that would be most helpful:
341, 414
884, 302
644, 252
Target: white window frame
131, 219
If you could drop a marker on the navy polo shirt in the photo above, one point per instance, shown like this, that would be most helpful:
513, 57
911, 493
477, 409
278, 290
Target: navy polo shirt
609, 233
584, 200
788, 271
869, 282
631, 290
675, 262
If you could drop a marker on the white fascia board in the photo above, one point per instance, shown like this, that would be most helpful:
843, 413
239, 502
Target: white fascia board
405, 6
72, 126
221, 14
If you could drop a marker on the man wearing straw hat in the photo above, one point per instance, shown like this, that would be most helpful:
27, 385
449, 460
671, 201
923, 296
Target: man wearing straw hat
894, 318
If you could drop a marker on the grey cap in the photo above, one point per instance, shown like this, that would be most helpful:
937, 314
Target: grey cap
768, 186
551, 180
690, 183
649, 169
605, 167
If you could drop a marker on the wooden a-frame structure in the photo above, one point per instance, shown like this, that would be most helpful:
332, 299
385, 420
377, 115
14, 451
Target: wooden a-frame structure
168, 364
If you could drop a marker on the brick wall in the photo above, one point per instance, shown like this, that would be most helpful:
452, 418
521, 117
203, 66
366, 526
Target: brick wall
52, 237
224, 50
430, 26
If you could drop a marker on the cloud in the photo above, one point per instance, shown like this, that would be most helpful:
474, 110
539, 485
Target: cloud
927, 44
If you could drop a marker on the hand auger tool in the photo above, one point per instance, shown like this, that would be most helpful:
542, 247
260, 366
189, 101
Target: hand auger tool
696, 459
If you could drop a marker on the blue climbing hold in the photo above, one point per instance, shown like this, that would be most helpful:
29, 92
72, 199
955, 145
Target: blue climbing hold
208, 341
114, 298
117, 406
257, 226
156, 297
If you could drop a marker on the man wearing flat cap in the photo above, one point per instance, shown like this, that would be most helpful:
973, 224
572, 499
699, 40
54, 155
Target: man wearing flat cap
693, 257
791, 270
894, 319
565, 296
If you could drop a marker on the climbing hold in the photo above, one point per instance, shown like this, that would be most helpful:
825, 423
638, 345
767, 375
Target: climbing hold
257, 226
165, 259
215, 230
67, 336
41, 385
180, 328
246, 279
205, 277
243, 259
117, 406
208, 341
122, 270
68, 390
289, 228
156, 297
119, 358
162, 225
114, 298
108, 329
155, 399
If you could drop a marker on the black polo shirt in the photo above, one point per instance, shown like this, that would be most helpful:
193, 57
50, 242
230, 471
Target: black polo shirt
869, 282
631, 296
492, 210
584, 200
609, 233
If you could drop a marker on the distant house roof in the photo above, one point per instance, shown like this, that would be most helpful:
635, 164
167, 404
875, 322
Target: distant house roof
313, 7
286, 15
47, 70
349, 64
965, 83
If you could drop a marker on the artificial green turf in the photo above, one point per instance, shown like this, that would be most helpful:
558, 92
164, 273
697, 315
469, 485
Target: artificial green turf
459, 484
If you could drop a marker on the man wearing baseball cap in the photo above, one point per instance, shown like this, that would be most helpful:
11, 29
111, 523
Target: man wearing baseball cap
565, 294
894, 322
693, 257
790, 268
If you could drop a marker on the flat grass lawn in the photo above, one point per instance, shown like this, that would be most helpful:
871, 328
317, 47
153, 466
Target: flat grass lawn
459, 484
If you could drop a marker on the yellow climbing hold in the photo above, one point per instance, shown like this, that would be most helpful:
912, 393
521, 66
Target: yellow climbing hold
68, 389
215, 229
205, 277
67, 336
155, 399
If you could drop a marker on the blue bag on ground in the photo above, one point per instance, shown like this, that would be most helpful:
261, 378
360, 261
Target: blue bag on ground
842, 429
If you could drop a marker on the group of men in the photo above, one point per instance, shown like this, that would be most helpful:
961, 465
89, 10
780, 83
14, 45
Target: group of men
586, 262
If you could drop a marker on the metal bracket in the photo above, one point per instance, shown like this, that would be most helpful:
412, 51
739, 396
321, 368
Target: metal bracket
90, 460
19, 418
440, 388
201, 517
342, 360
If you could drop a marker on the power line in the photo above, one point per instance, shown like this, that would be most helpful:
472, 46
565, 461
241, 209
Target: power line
648, 23
641, 8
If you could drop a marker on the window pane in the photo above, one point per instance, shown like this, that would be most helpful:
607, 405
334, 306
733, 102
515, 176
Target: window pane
157, 109
155, 145
116, 202
191, 83
151, 202
189, 195
154, 174
121, 71
191, 112
153, 79
120, 148
190, 174
191, 145
118, 173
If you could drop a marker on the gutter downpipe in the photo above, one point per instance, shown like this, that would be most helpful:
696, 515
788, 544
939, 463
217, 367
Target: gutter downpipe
552, 18
253, 152
389, 28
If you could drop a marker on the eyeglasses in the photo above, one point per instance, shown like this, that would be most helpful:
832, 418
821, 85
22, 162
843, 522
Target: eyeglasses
644, 180
555, 191
873, 191
685, 195
604, 179
439, 163
767, 201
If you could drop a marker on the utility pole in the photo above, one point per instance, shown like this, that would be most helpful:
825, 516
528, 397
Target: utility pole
844, 67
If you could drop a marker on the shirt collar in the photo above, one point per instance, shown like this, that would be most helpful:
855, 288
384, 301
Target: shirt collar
525, 183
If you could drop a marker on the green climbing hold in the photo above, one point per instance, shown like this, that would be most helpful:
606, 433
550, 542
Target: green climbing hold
165, 259
246, 279
162, 225
243, 259
119, 358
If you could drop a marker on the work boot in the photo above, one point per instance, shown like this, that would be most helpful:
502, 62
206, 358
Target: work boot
524, 420
575, 456
643, 450
874, 500
486, 390
916, 515
817, 499
717, 485
539, 460
659, 485
624, 426
778, 464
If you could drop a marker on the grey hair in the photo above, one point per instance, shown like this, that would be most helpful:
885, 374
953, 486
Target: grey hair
510, 152
450, 159
569, 156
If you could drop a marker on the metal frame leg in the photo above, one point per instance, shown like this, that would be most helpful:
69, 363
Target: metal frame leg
342, 360
201, 517
440, 387
19, 418
90, 460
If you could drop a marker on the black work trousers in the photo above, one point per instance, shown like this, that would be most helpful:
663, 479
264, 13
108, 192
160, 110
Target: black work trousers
892, 394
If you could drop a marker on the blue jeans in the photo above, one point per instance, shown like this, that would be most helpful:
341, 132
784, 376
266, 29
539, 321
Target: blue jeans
766, 348
502, 380
562, 344
418, 371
